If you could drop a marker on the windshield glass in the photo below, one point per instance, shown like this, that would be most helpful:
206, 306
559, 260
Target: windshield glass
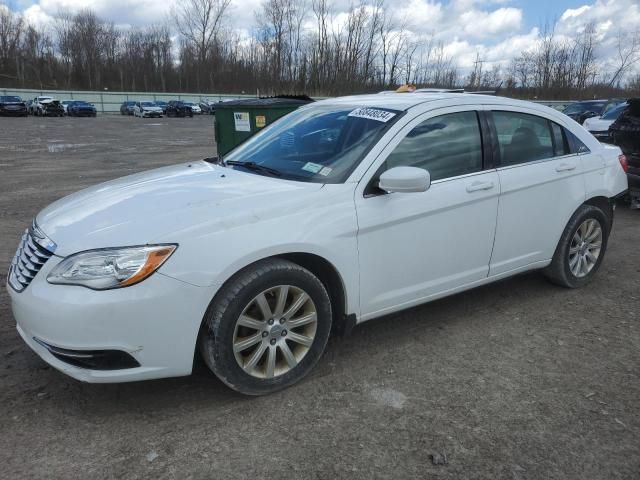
320, 144
585, 107
147, 104
10, 99
614, 113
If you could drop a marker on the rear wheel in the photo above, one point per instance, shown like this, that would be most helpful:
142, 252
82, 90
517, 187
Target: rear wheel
267, 327
581, 248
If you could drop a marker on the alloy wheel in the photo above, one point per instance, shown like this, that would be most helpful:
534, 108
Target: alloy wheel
275, 331
585, 248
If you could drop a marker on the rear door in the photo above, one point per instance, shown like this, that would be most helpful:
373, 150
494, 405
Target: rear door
541, 186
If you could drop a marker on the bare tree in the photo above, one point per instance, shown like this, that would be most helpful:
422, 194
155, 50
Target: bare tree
628, 53
199, 22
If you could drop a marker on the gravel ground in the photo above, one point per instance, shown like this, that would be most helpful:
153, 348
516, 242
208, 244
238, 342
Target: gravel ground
515, 380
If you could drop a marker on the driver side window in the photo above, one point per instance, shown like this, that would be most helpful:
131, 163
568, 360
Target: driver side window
447, 146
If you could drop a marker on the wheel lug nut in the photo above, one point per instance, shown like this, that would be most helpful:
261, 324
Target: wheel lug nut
264, 334
282, 320
284, 333
270, 322
273, 341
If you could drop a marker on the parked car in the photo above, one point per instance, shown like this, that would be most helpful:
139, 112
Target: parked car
10, 105
208, 107
147, 109
177, 108
194, 108
580, 111
599, 126
127, 107
80, 108
163, 105
46, 106
625, 132
65, 105
346, 210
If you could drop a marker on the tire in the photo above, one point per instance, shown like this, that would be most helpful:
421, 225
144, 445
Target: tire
564, 269
246, 370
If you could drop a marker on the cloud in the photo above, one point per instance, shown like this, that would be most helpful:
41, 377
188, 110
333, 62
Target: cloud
486, 24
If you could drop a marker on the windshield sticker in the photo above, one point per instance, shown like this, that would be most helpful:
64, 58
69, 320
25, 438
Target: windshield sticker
372, 114
325, 171
312, 167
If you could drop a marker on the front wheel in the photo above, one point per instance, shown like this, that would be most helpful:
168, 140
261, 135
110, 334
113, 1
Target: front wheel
581, 249
267, 327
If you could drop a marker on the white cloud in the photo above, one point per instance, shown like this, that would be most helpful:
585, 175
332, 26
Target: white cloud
485, 24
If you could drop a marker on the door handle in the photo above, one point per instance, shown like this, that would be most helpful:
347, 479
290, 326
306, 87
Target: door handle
565, 167
477, 186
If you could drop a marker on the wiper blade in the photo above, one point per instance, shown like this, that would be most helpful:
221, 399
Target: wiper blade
256, 167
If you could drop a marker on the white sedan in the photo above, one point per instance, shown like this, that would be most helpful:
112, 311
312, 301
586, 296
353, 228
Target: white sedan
147, 109
342, 211
599, 126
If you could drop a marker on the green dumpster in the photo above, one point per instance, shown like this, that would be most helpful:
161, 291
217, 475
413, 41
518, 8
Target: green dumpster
237, 120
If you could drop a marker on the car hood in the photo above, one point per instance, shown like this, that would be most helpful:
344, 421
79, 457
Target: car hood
597, 124
160, 204
152, 109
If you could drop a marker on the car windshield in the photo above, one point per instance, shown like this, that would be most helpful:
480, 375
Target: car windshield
320, 143
80, 102
10, 99
189, 104
615, 112
147, 104
596, 107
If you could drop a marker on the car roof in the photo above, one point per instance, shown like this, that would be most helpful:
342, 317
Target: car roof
405, 101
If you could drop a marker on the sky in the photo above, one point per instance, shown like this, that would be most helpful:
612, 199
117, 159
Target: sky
496, 29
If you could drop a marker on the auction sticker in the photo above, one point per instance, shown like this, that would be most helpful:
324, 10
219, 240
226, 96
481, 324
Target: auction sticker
372, 114
312, 167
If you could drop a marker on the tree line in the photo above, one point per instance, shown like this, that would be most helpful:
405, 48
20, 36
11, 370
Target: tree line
296, 47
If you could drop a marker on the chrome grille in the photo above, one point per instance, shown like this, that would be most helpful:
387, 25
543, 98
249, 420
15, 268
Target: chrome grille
29, 259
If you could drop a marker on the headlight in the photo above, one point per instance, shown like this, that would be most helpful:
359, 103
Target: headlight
110, 267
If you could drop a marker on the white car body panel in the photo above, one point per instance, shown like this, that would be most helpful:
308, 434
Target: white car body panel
597, 124
390, 251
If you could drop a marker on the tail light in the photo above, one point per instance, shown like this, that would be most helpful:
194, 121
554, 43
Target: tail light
624, 163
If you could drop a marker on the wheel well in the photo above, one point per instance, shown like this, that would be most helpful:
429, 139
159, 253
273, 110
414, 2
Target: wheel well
604, 204
332, 281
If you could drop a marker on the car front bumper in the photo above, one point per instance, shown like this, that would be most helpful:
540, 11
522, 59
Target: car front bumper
13, 112
155, 323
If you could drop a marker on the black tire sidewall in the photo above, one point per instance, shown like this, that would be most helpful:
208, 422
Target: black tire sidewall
217, 338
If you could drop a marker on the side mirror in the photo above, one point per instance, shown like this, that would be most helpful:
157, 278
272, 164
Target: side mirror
405, 180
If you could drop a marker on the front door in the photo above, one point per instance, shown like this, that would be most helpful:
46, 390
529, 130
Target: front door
413, 246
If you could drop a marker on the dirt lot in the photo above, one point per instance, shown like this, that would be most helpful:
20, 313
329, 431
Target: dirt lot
516, 380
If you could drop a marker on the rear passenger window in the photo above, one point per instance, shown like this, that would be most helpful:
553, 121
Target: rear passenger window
575, 144
522, 138
447, 146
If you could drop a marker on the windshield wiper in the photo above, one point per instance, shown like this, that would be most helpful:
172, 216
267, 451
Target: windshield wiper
256, 167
